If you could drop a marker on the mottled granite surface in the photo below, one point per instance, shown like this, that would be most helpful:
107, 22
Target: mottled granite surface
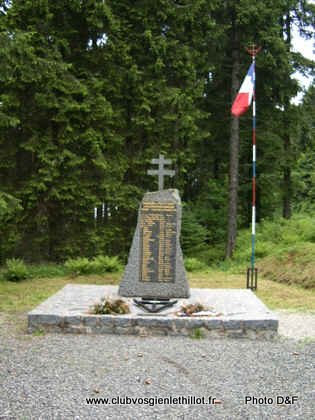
131, 285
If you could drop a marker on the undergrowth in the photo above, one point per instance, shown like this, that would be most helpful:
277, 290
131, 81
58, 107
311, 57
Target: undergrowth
16, 269
285, 251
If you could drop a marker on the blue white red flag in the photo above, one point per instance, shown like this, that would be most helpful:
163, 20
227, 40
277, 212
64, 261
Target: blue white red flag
244, 97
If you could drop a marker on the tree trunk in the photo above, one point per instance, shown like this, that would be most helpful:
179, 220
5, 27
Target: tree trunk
234, 150
287, 182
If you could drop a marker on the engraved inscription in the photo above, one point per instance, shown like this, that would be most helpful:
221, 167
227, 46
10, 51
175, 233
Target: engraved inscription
158, 242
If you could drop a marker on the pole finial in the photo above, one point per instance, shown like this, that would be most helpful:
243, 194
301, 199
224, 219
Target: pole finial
253, 49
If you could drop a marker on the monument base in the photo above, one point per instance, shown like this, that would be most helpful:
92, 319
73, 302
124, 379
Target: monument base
238, 313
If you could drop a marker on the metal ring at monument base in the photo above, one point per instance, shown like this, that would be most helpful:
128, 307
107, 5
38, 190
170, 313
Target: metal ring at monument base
154, 305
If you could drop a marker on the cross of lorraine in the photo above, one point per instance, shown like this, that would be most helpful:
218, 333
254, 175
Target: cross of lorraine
161, 171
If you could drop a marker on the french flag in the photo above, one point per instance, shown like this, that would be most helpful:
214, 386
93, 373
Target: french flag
244, 97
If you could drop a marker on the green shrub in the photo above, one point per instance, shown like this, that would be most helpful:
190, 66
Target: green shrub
98, 265
193, 234
193, 264
104, 264
46, 270
275, 236
291, 266
78, 266
212, 255
15, 270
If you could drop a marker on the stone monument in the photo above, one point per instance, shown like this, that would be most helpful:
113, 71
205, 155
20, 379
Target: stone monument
155, 271
153, 280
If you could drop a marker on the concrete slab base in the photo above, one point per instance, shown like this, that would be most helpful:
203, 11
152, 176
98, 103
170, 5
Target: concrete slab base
238, 313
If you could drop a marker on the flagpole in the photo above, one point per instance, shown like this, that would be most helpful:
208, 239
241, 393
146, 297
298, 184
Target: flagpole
253, 50
254, 171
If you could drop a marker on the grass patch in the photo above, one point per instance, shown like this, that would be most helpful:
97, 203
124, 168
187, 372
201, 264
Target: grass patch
24, 296
197, 334
275, 295
38, 333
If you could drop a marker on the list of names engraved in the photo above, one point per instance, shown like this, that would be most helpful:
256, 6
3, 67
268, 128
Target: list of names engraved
158, 231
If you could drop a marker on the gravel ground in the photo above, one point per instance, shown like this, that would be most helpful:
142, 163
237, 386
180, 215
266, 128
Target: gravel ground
50, 376
296, 325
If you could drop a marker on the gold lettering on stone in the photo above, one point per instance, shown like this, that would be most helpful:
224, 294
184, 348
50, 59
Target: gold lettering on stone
158, 233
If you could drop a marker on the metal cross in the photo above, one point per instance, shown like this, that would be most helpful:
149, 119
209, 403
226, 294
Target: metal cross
161, 172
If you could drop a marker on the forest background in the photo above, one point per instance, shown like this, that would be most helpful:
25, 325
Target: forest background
92, 90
